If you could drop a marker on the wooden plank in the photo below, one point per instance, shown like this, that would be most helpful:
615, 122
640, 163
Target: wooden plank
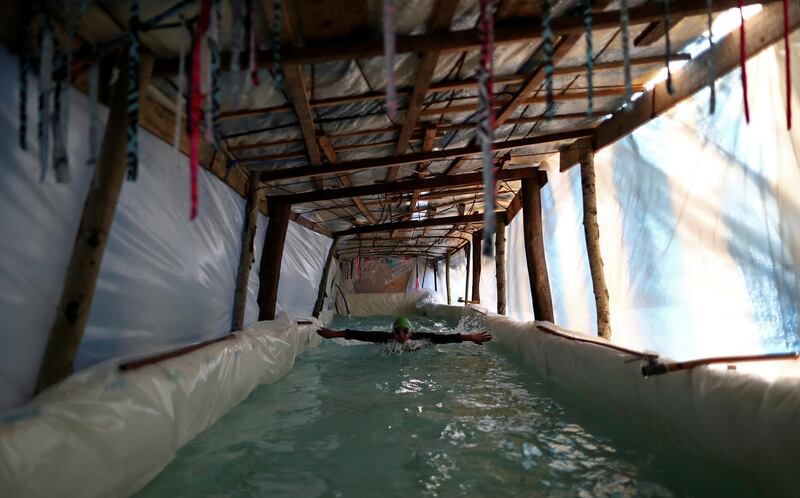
323, 281
762, 31
591, 232
476, 266
534, 250
443, 12
571, 155
360, 47
330, 153
654, 32
246, 253
90, 242
399, 186
382, 162
398, 225
271, 256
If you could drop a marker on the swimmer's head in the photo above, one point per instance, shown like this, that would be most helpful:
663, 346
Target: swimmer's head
401, 329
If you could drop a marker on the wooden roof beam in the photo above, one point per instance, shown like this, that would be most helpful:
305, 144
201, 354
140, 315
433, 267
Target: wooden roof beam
468, 39
330, 153
399, 186
762, 31
397, 225
383, 162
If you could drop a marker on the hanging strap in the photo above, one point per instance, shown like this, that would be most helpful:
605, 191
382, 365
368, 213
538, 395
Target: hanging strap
389, 49
212, 128
24, 69
547, 42
236, 52
743, 62
277, 69
176, 135
60, 162
624, 20
45, 88
196, 102
712, 99
587, 24
486, 120
133, 91
668, 48
94, 117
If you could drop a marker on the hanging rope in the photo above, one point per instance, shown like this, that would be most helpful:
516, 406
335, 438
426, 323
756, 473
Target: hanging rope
45, 88
389, 40
485, 130
587, 23
176, 135
624, 21
547, 42
712, 102
60, 162
195, 100
277, 69
24, 68
743, 62
94, 117
667, 48
250, 38
786, 32
133, 91
236, 52
214, 96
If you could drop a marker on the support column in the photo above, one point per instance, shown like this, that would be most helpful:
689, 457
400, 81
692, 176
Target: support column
447, 276
500, 265
90, 242
323, 282
436, 275
534, 249
246, 253
467, 253
592, 232
270, 271
476, 266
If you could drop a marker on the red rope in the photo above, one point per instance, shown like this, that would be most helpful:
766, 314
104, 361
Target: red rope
195, 104
743, 62
788, 65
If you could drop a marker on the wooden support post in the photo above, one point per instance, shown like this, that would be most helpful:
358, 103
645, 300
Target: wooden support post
270, 271
435, 275
534, 250
476, 266
323, 282
447, 277
466, 273
500, 265
592, 232
90, 242
246, 252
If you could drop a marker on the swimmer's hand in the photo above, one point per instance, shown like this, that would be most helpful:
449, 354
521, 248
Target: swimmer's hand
330, 334
477, 338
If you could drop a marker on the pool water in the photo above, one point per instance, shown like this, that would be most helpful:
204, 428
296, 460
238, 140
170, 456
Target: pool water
445, 420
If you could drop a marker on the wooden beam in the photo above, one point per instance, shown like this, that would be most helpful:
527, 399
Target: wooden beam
400, 186
591, 231
467, 39
476, 266
762, 31
534, 250
383, 162
246, 252
271, 256
655, 31
330, 153
433, 222
323, 281
571, 155
500, 265
447, 276
86, 258
443, 12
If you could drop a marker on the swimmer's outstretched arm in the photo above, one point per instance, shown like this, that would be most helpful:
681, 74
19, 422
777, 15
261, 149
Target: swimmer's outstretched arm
477, 338
357, 335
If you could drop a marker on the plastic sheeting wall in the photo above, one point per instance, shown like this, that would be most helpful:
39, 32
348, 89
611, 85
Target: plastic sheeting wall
164, 280
700, 229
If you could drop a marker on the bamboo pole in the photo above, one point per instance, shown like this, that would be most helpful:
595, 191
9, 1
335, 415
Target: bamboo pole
323, 282
500, 266
270, 271
90, 242
534, 250
447, 277
592, 233
246, 256
476, 266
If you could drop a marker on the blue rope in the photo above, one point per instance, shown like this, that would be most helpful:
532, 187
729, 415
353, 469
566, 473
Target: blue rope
133, 92
624, 24
45, 88
712, 101
587, 22
216, 89
24, 68
668, 49
276, 43
547, 42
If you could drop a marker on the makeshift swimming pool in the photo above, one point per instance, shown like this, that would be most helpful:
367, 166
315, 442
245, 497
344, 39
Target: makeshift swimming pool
449, 420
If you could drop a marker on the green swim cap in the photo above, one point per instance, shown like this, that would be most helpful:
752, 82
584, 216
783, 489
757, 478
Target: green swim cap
401, 321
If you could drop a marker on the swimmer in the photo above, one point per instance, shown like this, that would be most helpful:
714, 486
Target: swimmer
401, 332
